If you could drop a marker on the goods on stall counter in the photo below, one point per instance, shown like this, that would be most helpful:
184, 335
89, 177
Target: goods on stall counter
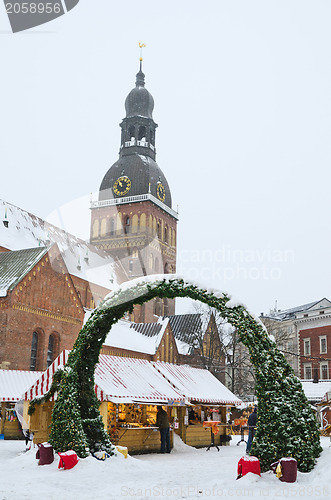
68, 459
248, 464
285, 469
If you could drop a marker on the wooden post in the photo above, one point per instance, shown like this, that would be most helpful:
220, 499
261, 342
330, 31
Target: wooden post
3, 417
182, 427
103, 409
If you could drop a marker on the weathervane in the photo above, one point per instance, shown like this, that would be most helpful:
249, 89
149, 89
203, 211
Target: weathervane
141, 45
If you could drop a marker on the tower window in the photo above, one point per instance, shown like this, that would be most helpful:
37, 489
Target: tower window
132, 133
112, 226
142, 134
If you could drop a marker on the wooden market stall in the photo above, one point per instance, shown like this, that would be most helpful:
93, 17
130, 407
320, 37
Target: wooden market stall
129, 390
207, 401
12, 385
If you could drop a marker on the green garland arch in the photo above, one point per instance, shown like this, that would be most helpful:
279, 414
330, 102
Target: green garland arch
286, 423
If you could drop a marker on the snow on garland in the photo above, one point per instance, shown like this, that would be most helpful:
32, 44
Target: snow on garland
286, 423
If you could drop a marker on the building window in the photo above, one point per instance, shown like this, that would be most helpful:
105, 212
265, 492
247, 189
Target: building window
34, 350
323, 345
306, 347
307, 371
50, 350
324, 369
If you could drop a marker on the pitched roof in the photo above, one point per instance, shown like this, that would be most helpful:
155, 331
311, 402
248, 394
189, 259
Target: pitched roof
26, 230
186, 326
15, 265
117, 379
140, 337
196, 384
290, 313
120, 379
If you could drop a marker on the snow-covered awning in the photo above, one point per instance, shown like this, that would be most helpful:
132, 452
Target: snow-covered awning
133, 380
129, 379
44, 382
117, 379
316, 391
196, 384
14, 382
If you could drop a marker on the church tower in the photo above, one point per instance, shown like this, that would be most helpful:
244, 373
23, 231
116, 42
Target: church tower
133, 218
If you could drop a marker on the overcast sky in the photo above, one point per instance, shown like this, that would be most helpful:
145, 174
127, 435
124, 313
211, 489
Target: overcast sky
242, 100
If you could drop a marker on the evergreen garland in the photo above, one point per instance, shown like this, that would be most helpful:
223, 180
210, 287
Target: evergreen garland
286, 423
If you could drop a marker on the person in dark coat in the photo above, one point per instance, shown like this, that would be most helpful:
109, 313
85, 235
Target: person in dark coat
162, 423
252, 419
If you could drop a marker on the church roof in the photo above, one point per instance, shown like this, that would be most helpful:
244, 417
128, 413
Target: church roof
26, 230
144, 174
139, 337
186, 326
15, 265
139, 102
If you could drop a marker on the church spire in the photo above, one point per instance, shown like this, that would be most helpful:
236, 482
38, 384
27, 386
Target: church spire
140, 77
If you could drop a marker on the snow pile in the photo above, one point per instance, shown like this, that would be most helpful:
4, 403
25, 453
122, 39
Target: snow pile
185, 473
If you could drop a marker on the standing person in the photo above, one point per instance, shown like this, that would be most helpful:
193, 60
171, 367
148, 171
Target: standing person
162, 423
252, 419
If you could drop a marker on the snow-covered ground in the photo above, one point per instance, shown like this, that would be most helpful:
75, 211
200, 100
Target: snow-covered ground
185, 473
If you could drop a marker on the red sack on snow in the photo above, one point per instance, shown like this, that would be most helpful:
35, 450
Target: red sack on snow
286, 469
45, 454
248, 464
68, 459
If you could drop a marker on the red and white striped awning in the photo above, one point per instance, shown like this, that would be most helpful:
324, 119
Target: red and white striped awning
196, 384
44, 382
117, 379
126, 380
14, 382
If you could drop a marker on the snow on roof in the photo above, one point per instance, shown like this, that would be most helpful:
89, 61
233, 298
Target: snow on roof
316, 391
127, 335
196, 384
42, 385
131, 379
290, 313
15, 265
82, 259
183, 347
119, 379
13, 383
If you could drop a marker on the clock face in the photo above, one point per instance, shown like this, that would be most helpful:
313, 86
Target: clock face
160, 191
122, 186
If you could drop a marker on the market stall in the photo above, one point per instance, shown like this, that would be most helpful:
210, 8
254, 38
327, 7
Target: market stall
129, 390
12, 384
207, 400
